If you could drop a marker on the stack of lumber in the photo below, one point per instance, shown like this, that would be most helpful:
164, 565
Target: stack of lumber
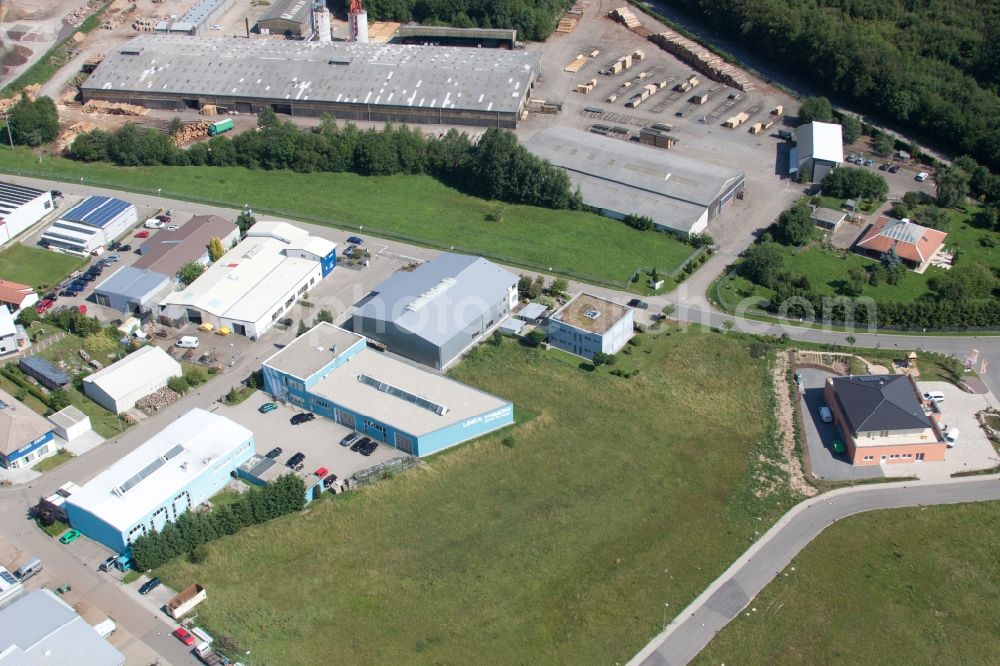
566, 24
31, 91
191, 132
69, 134
624, 15
209, 110
114, 108
702, 59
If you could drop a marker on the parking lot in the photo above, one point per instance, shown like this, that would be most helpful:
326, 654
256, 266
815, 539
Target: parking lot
973, 450
318, 439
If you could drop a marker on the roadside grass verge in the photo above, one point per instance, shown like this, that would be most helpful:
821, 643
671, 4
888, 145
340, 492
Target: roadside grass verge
53, 461
618, 497
417, 209
907, 586
42, 269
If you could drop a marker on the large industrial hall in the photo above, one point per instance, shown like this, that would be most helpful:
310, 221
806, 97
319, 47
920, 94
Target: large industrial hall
352, 81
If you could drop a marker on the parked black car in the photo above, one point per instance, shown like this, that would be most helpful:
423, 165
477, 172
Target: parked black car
125, 248
274, 453
70, 293
302, 418
636, 303
361, 443
328, 481
295, 460
149, 586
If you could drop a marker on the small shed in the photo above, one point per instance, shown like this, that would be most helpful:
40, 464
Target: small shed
827, 218
851, 205
512, 327
532, 312
70, 423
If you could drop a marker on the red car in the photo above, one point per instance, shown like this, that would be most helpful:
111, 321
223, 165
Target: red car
321, 472
142, 234
43, 305
184, 636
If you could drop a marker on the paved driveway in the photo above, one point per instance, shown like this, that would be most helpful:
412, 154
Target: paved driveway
819, 436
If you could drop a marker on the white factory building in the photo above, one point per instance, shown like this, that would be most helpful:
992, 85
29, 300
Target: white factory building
20, 208
174, 471
119, 386
254, 284
93, 223
820, 149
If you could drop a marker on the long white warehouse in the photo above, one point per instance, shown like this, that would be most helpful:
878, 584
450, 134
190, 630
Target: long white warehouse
93, 223
20, 208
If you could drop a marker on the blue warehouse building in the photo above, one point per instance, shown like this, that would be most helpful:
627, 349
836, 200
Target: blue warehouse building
332, 372
177, 469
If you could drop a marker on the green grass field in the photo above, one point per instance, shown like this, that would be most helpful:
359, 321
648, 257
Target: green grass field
617, 497
416, 208
36, 267
909, 586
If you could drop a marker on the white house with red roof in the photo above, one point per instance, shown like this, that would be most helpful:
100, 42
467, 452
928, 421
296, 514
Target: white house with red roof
914, 244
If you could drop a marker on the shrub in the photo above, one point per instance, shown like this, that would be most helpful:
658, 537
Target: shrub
178, 384
508, 441
198, 554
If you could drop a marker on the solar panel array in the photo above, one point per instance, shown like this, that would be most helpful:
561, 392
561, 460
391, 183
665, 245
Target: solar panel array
150, 468
97, 211
13, 196
423, 403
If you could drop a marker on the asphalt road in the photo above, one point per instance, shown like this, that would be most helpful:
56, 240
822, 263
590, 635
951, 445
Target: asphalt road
692, 630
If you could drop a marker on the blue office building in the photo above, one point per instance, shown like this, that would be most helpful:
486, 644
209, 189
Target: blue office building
25, 437
180, 467
332, 372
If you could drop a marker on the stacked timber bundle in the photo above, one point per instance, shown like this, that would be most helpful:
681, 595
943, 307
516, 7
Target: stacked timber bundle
114, 108
69, 134
702, 59
625, 16
191, 132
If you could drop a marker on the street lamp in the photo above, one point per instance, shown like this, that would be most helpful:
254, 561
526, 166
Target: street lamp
6, 121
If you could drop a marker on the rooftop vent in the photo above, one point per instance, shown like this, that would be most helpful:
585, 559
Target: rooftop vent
591, 314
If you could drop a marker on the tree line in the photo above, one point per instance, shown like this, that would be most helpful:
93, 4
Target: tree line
932, 69
534, 20
193, 529
496, 167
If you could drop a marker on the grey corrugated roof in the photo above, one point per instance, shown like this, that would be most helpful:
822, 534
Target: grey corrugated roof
49, 632
132, 282
339, 72
44, 368
624, 177
879, 402
167, 250
447, 32
462, 289
828, 215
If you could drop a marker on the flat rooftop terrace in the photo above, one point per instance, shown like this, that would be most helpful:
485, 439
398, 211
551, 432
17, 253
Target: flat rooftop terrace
591, 313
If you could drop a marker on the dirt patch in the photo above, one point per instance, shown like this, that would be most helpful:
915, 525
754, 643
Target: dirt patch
16, 56
790, 462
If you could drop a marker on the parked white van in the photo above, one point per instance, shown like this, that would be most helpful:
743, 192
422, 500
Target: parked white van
188, 342
951, 437
153, 223
934, 396
922, 176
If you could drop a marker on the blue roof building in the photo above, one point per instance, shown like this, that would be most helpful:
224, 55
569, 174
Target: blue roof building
131, 289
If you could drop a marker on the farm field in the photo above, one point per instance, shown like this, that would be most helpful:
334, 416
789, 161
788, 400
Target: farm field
907, 586
561, 545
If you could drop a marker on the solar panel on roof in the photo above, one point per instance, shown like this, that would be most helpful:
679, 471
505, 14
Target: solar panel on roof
79, 213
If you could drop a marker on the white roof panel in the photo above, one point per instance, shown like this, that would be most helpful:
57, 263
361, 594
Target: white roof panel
139, 368
821, 141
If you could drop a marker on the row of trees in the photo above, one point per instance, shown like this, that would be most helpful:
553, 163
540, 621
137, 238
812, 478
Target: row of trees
928, 68
854, 183
497, 167
533, 19
196, 528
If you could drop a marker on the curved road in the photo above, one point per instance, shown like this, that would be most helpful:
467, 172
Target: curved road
733, 591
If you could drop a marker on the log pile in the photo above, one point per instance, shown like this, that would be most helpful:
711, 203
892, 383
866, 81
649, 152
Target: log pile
69, 135
114, 108
76, 17
191, 132
158, 399
31, 91
703, 60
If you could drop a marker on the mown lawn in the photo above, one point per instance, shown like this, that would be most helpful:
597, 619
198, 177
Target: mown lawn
36, 267
417, 208
53, 461
908, 586
619, 496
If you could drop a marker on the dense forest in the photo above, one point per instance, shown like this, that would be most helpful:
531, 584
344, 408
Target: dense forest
534, 20
931, 68
497, 167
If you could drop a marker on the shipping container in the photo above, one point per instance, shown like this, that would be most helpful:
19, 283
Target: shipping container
220, 126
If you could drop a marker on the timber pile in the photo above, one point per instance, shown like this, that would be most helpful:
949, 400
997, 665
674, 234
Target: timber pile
566, 24
76, 17
625, 16
114, 108
158, 399
191, 132
144, 24
69, 134
703, 60
31, 91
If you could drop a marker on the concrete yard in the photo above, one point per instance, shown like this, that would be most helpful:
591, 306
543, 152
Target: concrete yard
973, 451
